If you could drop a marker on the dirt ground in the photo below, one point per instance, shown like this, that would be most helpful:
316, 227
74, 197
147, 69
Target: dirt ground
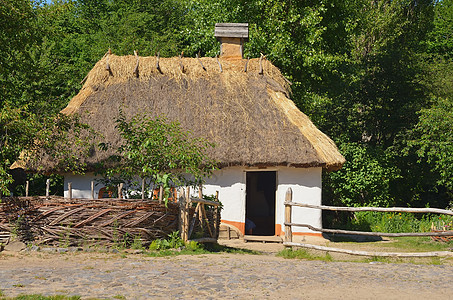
377, 246
219, 276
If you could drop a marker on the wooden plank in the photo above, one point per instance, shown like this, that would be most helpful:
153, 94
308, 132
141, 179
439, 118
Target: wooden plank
378, 209
367, 253
205, 240
194, 218
203, 201
288, 229
231, 24
339, 231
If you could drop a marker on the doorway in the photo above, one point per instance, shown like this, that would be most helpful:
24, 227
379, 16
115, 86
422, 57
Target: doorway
260, 202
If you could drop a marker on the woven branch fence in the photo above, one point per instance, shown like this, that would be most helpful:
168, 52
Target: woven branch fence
78, 222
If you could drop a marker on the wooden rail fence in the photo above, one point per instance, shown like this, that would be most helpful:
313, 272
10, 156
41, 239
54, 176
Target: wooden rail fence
289, 224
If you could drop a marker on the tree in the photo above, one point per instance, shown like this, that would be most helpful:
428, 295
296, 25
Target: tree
434, 140
159, 151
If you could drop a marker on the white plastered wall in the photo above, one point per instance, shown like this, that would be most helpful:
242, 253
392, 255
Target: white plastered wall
230, 182
305, 183
81, 185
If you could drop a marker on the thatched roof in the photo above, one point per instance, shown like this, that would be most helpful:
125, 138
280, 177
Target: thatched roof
248, 115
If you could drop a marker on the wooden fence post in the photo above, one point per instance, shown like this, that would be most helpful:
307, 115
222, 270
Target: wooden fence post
143, 188
181, 212
186, 215
288, 230
120, 191
47, 187
92, 190
216, 215
70, 190
27, 185
161, 194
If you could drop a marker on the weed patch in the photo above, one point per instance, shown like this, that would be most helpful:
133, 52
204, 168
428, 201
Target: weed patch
303, 254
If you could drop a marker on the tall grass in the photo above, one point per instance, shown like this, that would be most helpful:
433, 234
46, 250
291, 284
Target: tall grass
398, 222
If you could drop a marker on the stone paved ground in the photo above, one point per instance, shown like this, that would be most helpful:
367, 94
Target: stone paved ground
217, 276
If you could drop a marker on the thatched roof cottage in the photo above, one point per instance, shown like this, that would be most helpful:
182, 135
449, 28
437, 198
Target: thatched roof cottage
264, 143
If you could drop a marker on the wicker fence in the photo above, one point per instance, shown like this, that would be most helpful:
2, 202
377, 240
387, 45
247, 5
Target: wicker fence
62, 221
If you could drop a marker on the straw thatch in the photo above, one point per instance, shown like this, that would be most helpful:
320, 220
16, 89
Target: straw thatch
247, 115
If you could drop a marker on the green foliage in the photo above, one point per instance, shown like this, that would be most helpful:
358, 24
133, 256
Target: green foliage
367, 73
434, 139
162, 152
174, 241
365, 179
303, 254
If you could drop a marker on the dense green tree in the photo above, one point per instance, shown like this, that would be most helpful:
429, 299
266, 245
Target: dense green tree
373, 75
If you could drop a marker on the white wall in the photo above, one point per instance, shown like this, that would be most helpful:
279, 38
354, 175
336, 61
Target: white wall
305, 183
230, 182
81, 185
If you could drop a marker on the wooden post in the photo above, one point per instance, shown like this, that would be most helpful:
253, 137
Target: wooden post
70, 190
27, 185
216, 216
120, 191
161, 194
200, 192
47, 187
288, 231
186, 215
182, 205
143, 188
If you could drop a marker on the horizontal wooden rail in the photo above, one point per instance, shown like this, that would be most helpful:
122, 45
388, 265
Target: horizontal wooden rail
205, 240
378, 209
289, 238
339, 231
203, 201
367, 253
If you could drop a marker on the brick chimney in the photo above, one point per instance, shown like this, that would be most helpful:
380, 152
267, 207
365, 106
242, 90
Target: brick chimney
231, 37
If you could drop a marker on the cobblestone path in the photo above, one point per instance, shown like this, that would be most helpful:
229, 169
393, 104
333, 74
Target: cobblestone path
218, 276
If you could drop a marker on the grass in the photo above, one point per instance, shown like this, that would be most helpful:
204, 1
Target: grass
400, 244
207, 248
303, 254
417, 244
